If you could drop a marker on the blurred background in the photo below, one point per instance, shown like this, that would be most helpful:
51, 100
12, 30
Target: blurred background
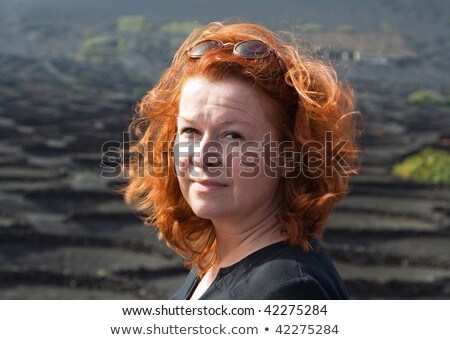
72, 71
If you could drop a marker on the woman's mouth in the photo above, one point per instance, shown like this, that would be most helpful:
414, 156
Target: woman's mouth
207, 185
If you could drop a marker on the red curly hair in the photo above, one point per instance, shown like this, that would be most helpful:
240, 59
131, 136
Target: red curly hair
312, 104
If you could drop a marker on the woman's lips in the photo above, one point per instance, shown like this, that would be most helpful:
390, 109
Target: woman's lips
207, 186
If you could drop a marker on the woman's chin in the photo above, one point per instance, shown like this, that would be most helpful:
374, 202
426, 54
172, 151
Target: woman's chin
208, 212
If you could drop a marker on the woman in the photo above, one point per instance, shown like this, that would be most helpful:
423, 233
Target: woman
245, 145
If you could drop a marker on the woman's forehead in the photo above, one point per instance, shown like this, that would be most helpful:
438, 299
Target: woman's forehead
230, 88
234, 99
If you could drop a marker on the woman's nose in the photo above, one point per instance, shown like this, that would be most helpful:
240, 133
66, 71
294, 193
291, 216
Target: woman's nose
207, 153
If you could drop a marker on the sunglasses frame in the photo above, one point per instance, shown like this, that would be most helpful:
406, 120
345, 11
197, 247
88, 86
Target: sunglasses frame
221, 45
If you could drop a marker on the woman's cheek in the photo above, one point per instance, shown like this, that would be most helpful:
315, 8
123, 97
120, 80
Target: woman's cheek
249, 163
232, 165
181, 154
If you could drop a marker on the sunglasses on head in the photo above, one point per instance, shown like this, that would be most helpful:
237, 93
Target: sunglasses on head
249, 49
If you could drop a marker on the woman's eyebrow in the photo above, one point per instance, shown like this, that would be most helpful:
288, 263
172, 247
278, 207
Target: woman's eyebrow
232, 122
185, 119
226, 121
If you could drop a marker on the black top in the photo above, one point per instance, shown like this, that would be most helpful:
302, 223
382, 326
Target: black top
276, 272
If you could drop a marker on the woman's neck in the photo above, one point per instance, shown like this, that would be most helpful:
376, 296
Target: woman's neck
238, 239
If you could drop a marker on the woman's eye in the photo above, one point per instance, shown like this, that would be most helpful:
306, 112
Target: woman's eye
233, 135
189, 131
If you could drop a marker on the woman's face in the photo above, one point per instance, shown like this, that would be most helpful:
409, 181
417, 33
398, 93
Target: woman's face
222, 129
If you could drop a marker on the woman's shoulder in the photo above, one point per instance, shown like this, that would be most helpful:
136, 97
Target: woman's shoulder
281, 271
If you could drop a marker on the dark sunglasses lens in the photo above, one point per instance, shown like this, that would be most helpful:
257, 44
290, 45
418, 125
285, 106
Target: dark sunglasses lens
252, 49
204, 47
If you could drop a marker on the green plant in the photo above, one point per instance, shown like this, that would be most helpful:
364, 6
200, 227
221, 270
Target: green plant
179, 28
131, 24
97, 42
345, 28
429, 166
424, 97
311, 27
101, 273
96, 49
122, 46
